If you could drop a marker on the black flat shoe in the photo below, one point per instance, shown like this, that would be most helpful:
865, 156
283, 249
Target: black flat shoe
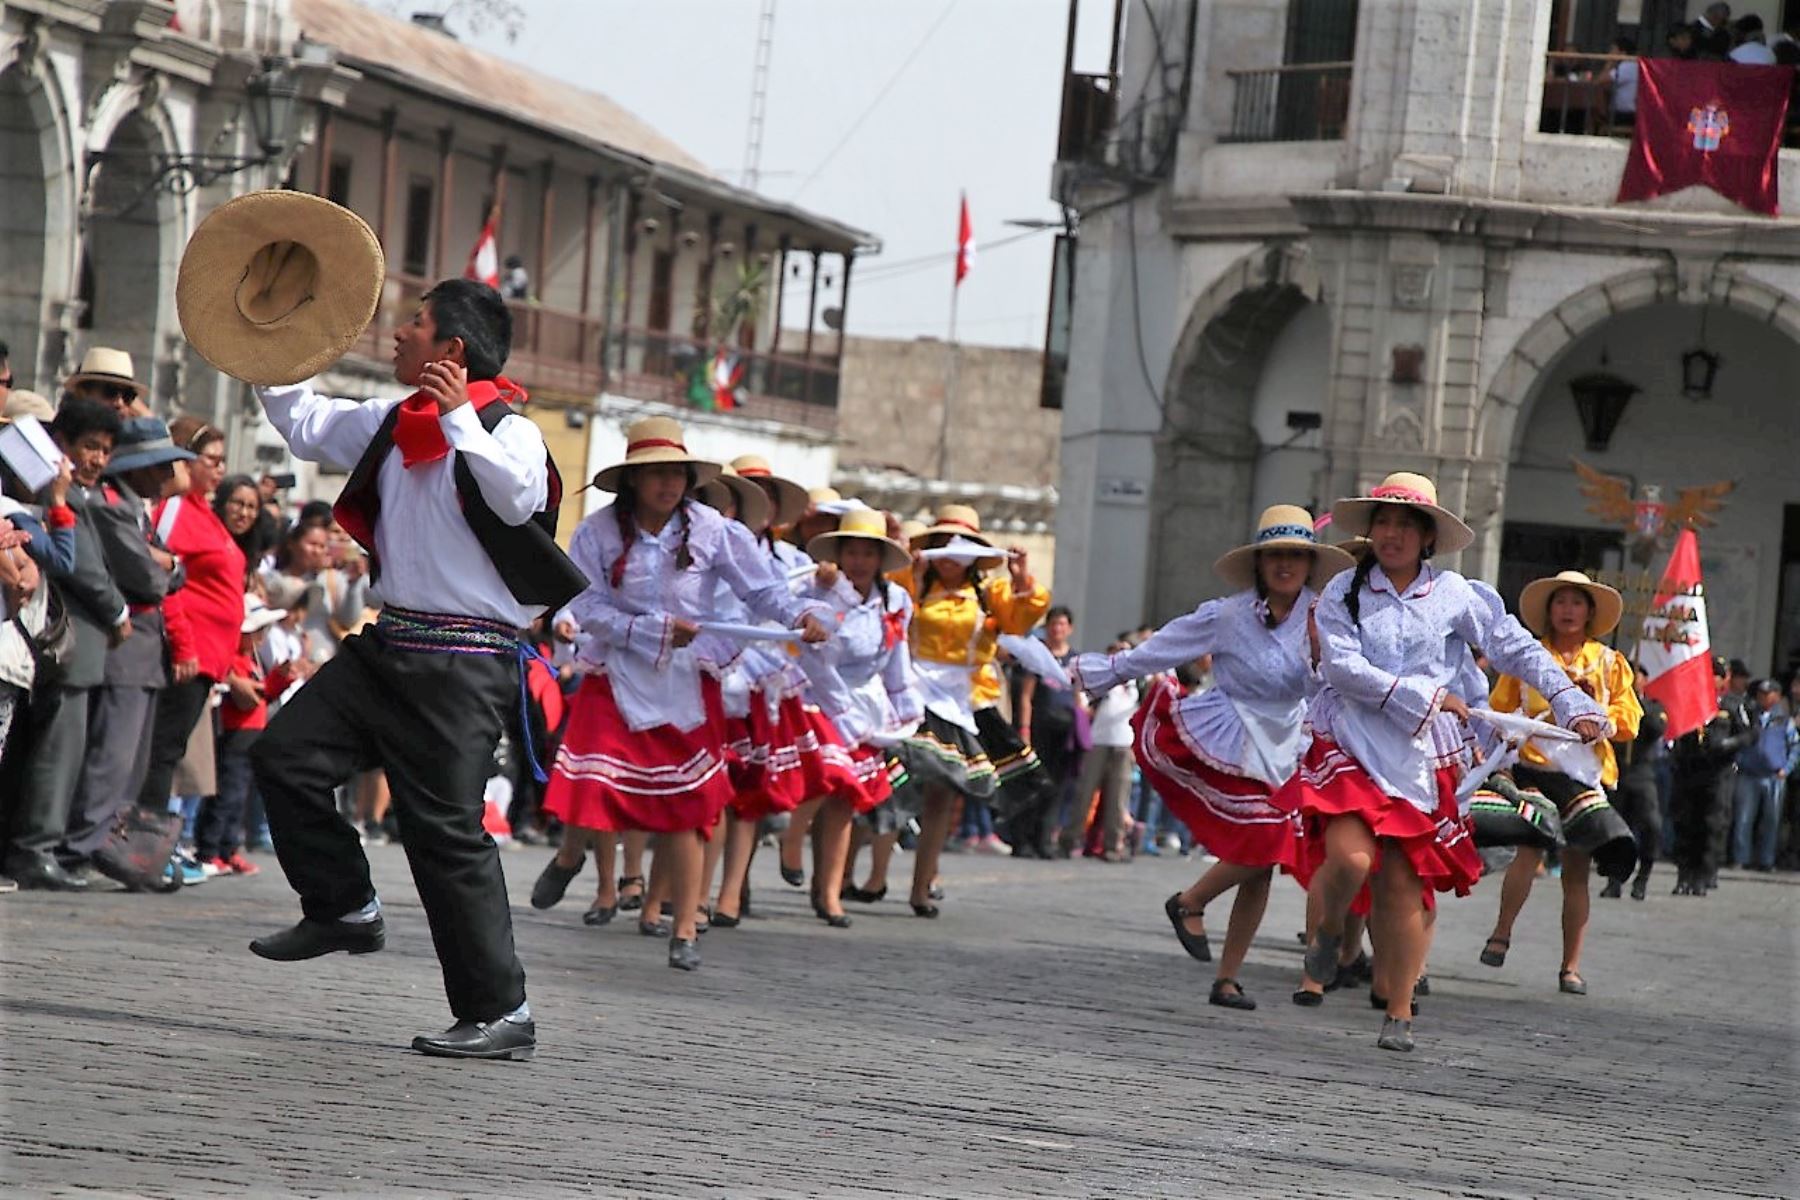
548, 891
835, 920
925, 910
1306, 999
684, 954
1569, 983
1228, 993
310, 939
793, 876
631, 903
1396, 1035
515, 1040
655, 929
725, 921
1196, 944
599, 916
1495, 958
864, 896
1614, 889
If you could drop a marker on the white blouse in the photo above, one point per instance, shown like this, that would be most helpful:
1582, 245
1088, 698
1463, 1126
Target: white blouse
627, 631
1386, 678
1251, 722
864, 684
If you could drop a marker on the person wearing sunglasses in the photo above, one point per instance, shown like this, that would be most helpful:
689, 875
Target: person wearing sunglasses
107, 375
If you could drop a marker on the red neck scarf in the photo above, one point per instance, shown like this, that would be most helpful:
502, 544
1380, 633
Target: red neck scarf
419, 432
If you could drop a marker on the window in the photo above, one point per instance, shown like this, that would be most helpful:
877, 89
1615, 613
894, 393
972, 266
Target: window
337, 180
416, 254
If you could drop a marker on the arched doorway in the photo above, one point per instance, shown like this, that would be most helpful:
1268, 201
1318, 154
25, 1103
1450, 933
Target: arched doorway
1747, 431
121, 268
22, 227
1225, 414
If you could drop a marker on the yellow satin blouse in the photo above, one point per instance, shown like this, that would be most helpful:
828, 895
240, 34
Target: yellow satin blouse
1602, 673
945, 626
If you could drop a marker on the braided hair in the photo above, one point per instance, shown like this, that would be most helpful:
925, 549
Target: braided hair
625, 513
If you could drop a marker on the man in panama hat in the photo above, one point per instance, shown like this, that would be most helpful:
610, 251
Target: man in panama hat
107, 375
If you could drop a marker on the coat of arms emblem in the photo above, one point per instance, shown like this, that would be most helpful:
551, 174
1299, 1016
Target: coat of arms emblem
1710, 126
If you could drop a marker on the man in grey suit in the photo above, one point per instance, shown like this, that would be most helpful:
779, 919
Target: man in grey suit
57, 734
122, 708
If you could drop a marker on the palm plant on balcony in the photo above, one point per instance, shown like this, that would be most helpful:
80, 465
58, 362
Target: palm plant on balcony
716, 381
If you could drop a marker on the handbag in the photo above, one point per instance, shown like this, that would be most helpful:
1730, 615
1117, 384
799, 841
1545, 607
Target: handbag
139, 849
53, 646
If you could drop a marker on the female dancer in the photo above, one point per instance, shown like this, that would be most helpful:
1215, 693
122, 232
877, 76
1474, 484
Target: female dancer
867, 686
1216, 758
1394, 634
957, 618
645, 744
1571, 613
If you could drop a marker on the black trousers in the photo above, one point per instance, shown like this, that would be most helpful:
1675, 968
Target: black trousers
179, 708
219, 829
431, 721
1702, 819
1641, 802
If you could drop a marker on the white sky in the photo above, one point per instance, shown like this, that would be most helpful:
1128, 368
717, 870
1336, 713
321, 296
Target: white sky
976, 109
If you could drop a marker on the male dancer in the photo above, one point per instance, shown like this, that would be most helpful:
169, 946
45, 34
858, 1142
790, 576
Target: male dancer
454, 496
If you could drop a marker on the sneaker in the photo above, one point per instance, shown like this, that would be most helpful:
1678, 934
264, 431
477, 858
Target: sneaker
991, 844
239, 864
187, 871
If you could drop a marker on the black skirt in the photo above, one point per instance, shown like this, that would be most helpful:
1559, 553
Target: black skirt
942, 755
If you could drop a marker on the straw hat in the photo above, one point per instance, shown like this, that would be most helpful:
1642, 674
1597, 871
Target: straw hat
958, 520
23, 403
912, 532
752, 503
1282, 527
1534, 603
1355, 547
276, 285
867, 524
1351, 516
103, 364
651, 441
789, 497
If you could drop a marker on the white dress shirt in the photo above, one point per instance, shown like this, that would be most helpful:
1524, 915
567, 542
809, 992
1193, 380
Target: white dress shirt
430, 559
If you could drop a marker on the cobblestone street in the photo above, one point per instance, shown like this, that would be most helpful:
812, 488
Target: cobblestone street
1045, 1037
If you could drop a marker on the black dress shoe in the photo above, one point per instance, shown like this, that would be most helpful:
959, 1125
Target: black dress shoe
835, 920
1613, 890
793, 876
655, 929
40, 872
684, 954
863, 895
599, 916
515, 1040
310, 939
554, 881
1228, 993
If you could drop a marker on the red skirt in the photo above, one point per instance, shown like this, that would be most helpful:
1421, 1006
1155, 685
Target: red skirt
876, 773
1231, 815
660, 780
1440, 846
802, 759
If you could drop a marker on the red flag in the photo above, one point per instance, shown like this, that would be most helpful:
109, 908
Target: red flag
484, 259
1676, 650
1712, 123
965, 244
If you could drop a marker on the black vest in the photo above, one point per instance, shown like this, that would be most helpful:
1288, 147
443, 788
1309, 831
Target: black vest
531, 564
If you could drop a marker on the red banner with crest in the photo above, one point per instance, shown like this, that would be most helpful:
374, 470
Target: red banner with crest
1717, 124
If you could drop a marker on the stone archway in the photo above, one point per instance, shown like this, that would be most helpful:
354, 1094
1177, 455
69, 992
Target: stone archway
1208, 449
37, 226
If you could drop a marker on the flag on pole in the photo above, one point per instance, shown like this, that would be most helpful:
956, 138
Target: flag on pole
1676, 650
484, 259
965, 244
1718, 124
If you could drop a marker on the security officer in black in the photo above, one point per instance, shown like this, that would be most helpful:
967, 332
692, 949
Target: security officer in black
1704, 771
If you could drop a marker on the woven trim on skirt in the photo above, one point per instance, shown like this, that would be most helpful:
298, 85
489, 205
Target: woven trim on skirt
1232, 815
1025, 785
942, 754
658, 780
1590, 823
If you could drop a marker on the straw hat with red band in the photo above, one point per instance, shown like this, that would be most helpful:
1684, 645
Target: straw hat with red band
788, 496
655, 441
1534, 603
1282, 527
864, 524
751, 502
958, 520
1351, 516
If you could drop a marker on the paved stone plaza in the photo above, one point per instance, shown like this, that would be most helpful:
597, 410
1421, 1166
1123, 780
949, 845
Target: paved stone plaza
1046, 1037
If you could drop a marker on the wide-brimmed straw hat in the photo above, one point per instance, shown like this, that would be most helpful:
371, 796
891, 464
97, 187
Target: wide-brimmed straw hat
912, 532
1534, 603
1355, 547
651, 442
1352, 515
103, 364
144, 442
789, 497
275, 286
1282, 527
21, 402
752, 503
866, 524
958, 520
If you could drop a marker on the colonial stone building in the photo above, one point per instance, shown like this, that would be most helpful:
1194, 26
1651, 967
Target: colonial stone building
1320, 241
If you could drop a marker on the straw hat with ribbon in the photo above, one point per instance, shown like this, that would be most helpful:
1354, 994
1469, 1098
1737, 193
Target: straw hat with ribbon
863, 524
144, 442
752, 503
23, 403
650, 442
1351, 516
789, 497
277, 285
958, 520
1282, 527
1534, 603
109, 368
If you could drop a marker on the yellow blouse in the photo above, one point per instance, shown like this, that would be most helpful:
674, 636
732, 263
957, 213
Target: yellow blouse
945, 627
1602, 673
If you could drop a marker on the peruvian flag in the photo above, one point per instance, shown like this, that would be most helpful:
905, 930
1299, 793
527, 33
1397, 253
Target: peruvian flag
965, 243
1676, 651
484, 259
1712, 123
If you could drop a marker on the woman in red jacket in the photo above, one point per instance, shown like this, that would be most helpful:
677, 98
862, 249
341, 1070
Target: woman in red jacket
205, 616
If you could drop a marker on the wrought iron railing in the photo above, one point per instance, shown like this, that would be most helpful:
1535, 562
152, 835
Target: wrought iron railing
1303, 102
